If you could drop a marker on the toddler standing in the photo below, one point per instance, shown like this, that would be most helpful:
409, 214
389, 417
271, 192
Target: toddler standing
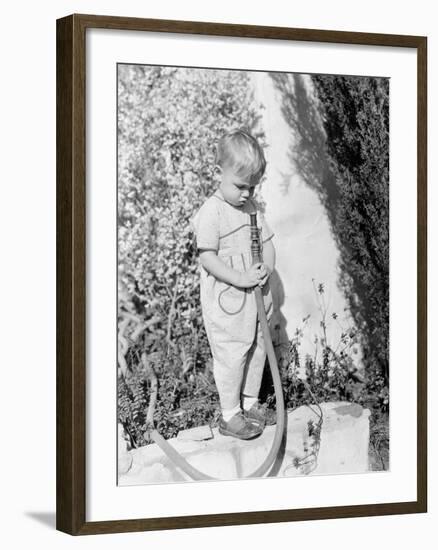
222, 228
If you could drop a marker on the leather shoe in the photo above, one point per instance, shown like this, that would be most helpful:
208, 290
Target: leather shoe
240, 427
256, 413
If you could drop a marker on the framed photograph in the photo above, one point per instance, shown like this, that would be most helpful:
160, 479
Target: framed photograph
241, 274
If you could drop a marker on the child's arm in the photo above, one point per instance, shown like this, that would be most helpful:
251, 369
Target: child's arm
214, 265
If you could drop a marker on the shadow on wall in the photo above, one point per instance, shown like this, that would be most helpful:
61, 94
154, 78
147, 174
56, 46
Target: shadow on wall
278, 331
308, 154
278, 322
303, 114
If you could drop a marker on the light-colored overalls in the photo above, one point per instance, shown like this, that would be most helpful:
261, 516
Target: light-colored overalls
230, 313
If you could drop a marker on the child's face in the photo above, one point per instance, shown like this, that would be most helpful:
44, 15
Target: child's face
235, 189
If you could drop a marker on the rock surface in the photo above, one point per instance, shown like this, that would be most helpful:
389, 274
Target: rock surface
341, 447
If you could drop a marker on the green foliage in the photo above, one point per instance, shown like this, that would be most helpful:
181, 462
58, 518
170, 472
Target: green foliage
169, 121
355, 114
327, 375
133, 400
186, 399
330, 375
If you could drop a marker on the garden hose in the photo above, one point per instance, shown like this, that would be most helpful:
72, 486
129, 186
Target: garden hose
181, 462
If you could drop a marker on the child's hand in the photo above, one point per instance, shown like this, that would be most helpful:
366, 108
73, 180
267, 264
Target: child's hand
253, 276
264, 272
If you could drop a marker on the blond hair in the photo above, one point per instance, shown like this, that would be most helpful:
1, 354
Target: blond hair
242, 152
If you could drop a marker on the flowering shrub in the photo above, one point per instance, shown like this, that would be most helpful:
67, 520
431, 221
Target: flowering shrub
169, 120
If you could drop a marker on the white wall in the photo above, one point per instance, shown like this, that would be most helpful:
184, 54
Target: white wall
306, 252
28, 271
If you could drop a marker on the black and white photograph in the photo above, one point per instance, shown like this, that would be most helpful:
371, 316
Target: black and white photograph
218, 217
253, 274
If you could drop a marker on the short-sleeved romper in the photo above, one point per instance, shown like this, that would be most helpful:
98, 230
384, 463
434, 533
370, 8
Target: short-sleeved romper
230, 313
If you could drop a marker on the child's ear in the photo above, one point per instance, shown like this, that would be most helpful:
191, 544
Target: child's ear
217, 169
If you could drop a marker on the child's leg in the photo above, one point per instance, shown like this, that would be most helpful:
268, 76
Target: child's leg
253, 371
228, 368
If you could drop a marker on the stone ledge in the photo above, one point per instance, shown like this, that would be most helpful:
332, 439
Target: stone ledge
343, 448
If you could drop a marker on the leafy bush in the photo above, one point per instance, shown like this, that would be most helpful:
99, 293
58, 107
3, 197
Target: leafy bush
355, 113
186, 400
169, 120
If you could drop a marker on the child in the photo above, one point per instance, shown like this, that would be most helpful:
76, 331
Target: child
228, 278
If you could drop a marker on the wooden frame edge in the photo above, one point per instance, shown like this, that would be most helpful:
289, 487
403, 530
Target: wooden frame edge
71, 299
70, 278
247, 31
247, 518
422, 400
